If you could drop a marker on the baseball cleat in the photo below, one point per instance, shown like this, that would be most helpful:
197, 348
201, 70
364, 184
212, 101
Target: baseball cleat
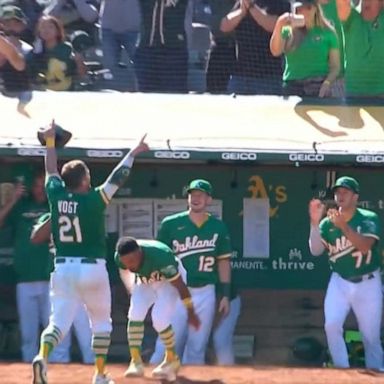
135, 369
39, 371
102, 379
167, 370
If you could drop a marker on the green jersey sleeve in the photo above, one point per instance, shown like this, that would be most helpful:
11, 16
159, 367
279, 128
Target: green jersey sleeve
168, 266
54, 185
224, 248
370, 226
163, 234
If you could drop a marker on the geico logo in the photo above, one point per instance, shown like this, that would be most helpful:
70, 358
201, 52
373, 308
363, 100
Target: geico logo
305, 157
238, 156
30, 152
370, 158
172, 155
95, 153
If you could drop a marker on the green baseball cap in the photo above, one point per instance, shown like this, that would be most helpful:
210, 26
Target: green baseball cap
201, 185
348, 183
9, 12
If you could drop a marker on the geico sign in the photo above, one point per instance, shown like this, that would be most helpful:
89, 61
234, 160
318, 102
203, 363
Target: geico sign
306, 157
172, 155
370, 158
31, 152
98, 153
238, 156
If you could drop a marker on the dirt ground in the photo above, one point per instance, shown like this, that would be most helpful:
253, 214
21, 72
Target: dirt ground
16, 373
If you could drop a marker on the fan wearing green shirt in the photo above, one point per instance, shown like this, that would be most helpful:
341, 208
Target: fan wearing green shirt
364, 53
311, 48
157, 283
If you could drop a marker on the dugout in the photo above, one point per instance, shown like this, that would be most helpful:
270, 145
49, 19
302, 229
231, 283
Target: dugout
265, 156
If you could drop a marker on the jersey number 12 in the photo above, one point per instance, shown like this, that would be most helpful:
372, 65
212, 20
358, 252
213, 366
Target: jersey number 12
69, 230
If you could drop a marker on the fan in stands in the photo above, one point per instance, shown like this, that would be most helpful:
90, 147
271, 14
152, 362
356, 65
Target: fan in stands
62, 136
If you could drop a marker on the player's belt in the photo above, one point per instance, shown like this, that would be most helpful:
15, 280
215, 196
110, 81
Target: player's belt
359, 279
83, 260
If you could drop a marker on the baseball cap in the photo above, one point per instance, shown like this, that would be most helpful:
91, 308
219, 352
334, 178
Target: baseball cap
348, 183
201, 185
10, 12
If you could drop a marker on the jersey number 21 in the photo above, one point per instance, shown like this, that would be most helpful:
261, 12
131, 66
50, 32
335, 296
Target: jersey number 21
69, 230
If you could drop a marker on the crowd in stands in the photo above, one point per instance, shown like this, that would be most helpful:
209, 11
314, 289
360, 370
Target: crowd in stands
325, 48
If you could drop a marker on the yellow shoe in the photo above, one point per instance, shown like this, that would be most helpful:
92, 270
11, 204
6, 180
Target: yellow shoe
167, 370
135, 369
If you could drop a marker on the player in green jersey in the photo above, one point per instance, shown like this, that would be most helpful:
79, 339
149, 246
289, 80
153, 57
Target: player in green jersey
350, 235
156, 271
80, 275
201, 242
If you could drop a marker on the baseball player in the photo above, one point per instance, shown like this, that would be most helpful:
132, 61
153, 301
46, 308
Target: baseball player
41, 233
80, 275
158, 283
202, 244
350, 236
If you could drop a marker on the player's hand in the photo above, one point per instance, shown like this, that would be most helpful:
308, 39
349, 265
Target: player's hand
337, 218
325, 89
193, 319
19, 192
245, 5
316, 211
224, 306
140, 147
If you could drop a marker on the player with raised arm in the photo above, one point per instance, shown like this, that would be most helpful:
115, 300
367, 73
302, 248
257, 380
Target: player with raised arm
350, 235
158, 284
80, 275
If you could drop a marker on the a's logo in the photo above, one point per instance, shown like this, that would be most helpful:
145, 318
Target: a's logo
277, 195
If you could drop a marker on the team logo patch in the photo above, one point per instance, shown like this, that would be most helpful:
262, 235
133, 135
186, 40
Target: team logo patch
169, 270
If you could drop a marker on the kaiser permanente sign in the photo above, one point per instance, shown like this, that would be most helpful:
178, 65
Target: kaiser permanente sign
185, 128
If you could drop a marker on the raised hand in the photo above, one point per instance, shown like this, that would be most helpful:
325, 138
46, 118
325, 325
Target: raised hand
316, 211
140, 147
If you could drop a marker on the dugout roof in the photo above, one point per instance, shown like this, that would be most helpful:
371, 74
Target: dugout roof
198, 128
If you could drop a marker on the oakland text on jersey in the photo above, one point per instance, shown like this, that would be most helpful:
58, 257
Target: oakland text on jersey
65, 206
155, 276
183, 155
239, 156
306, 157
194, 245
342, 247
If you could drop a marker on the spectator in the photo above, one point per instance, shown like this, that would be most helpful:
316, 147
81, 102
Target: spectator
54, 60
256, 71
75, 14
161, 60
33, 264
120, 22
364, 41
32, 9
222, 56
13, 56
311, 48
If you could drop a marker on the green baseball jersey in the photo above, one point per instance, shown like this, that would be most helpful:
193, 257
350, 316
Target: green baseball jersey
344, 258
159, 262
32, 262
77, 220
330, 12
364, 51
198, 247
310, 58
